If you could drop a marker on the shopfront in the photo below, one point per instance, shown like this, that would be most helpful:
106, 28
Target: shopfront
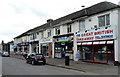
97, 45
46, 47
63, 46
23, 47
34, 47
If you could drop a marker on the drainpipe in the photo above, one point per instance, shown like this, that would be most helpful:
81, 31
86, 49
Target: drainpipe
118, 33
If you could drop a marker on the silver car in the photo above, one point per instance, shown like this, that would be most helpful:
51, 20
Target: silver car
5, 54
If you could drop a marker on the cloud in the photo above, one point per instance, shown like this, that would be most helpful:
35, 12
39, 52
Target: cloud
18, 16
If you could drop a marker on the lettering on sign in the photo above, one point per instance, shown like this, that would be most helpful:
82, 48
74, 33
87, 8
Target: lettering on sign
63, 39
100, 34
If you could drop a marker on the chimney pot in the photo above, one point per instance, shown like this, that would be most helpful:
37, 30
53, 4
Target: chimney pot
49, 20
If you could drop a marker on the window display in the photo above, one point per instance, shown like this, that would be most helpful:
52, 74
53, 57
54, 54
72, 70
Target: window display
87, 52
97, 51
100, 53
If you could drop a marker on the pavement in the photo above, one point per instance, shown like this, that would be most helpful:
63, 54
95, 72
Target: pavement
97, 69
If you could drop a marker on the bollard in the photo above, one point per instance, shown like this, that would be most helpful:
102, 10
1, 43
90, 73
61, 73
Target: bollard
67, 60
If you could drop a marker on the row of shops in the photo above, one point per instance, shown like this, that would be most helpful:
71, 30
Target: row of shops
94, 45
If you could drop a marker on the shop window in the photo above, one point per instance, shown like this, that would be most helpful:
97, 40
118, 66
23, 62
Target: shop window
109, 42
100, 53
87, 52
104, 20
84, 43
102, 42
58, 50
78, 43
89, 43
69, 48
95, 43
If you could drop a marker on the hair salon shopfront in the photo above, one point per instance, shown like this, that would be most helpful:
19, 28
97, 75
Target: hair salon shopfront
97, 45
63, 46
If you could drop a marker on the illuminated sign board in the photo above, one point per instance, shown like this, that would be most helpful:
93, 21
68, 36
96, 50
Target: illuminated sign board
99, 34
63, 39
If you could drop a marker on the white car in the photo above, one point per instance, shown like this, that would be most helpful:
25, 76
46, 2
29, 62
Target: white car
5, 54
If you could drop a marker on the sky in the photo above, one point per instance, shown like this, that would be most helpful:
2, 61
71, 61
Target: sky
18, 16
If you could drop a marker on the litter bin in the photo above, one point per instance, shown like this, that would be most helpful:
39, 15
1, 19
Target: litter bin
67, 60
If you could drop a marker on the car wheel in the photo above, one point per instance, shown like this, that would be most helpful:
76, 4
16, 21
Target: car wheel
44, 63
33, 63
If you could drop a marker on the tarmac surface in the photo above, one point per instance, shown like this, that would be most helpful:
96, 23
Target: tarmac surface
100, 69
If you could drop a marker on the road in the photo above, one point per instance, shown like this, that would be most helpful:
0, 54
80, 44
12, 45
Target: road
13, 66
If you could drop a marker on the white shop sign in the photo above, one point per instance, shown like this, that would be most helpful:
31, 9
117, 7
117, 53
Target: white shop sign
45, 40
99, 34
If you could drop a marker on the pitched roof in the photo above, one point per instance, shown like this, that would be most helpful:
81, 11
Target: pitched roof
95, 9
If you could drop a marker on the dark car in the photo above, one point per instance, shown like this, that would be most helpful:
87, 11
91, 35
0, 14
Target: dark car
36, 59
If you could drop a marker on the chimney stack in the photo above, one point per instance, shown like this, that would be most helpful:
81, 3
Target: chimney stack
49, 20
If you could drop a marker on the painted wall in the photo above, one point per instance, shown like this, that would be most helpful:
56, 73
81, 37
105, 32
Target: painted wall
94, 21
118, 35
75, 26
63, 29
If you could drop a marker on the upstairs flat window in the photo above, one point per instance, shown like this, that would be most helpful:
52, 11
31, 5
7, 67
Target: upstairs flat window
69, 28
104, 20
82, 25
42, 34
49, 33
57, 31
34, 36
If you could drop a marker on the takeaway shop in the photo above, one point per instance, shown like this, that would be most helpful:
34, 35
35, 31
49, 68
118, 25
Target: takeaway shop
63, 45
97, 45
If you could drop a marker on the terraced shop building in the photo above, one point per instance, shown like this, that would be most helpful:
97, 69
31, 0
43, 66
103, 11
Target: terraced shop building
93, 31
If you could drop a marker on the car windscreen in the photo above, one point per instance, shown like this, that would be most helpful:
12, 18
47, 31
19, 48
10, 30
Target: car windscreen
39, 56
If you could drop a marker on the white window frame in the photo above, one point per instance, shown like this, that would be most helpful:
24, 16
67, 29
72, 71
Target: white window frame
42, 34
56, 31
49, 33
69, 28
105, 20
82, 25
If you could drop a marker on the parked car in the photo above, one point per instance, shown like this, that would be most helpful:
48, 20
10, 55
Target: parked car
36, 59
5, 54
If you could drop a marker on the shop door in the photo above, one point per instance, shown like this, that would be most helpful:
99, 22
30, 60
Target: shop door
100, 54
87, 51
45, 50
110, 50
63, 52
